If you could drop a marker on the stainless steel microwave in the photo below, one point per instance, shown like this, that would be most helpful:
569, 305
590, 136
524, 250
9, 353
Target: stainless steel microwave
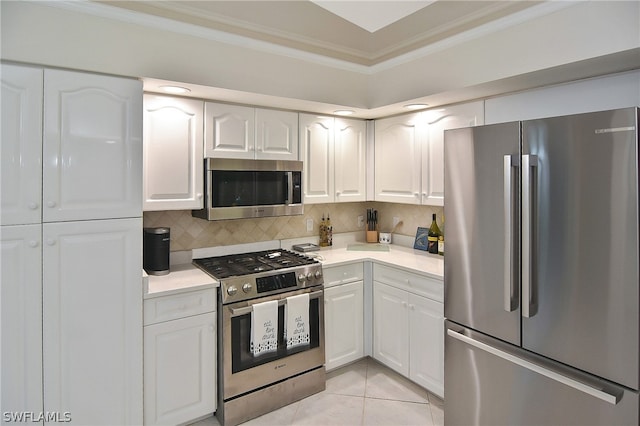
236, 189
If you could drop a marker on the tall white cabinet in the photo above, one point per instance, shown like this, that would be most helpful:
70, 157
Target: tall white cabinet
334, 155
71, 276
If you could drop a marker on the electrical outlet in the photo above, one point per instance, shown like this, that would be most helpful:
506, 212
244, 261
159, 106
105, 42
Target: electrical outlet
360, 221
309, 225
396, 221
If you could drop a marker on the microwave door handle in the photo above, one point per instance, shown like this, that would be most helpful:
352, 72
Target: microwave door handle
289, 199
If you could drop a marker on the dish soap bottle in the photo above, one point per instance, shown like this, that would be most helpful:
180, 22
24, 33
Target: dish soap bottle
432, 236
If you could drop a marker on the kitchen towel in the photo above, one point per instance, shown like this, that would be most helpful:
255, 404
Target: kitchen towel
264, 327
296, 330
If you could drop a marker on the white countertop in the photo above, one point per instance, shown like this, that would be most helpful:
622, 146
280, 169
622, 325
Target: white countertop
181, 278
398, 256
188, 277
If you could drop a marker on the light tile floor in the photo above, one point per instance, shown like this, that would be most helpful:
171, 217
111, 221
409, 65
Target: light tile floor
362, 393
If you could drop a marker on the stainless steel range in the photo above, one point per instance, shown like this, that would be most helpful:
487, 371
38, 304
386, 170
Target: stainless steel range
251, 384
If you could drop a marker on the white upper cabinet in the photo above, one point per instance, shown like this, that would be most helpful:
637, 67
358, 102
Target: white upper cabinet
334, 155
92, 147
21, 160
350, 160
173, 153
398, 150
235, 131
464, 115
276, 134
229, 131
409, 153
316, 140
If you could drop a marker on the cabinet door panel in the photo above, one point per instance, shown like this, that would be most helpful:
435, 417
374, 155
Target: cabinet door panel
229, 131
92, 150
179, 369
344, 324
21, 319
391, 327
92, 311
21, 159
316, 139
173, 153
398, 144
350, 160
465, 115
276, 134
426, 341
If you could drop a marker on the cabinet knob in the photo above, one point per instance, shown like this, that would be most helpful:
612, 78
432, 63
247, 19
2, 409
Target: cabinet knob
51, 242
404, 304
33, 206
51, 204
199, 195
412, 307
416, 194
33, 243
337, 193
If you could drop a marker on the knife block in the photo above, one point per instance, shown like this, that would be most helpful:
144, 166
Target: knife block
372, 236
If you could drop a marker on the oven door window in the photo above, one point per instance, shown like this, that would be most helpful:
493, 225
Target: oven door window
243, 359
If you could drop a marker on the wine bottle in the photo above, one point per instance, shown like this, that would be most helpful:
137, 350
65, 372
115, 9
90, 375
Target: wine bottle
432, 236
329, 231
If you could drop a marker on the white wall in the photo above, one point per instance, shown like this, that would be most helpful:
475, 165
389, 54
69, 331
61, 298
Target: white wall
561, 33
596, 94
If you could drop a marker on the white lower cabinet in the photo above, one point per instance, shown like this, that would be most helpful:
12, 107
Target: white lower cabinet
344, 324
180, 359
391, 327
408, 334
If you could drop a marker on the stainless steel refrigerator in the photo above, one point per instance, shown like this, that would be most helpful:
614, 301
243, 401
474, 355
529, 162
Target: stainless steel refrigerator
541, 272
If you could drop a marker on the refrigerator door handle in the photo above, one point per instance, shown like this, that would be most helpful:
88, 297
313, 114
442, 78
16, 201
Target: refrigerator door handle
575, 384
510, 292
529, 304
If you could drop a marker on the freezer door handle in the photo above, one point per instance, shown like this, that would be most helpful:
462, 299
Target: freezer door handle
510, 290
529, 304
575, 384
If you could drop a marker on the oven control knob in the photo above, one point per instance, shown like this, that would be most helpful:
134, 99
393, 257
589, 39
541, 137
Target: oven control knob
232, 290
318, 274
309, 276
246, 287
302, 278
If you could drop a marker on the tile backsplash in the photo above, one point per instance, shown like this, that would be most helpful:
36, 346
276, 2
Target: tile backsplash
189, 233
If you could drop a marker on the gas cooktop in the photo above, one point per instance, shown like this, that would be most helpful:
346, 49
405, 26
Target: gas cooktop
250, 263
249, 275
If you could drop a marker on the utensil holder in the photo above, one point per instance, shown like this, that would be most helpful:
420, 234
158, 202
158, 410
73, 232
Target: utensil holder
372, 236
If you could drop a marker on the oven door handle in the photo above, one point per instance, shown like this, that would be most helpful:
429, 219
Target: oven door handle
248, 309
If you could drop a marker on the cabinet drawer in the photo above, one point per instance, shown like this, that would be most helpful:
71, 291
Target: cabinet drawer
414, 283
179, 305
336, 275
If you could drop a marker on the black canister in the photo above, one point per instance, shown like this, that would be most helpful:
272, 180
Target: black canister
155, 248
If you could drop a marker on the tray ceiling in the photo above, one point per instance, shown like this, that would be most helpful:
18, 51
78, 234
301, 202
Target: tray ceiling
362, 32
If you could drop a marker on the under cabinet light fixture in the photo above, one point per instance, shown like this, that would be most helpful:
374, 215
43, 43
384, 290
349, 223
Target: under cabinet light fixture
175, 89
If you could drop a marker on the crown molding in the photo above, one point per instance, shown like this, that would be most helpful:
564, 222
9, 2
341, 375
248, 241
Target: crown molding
165, 24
